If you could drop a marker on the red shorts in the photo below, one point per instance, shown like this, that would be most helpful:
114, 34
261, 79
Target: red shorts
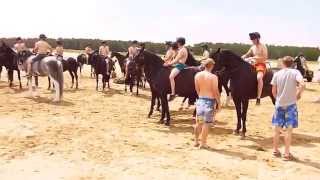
261, 67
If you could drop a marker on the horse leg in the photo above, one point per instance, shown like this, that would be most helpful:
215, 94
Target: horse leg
36, 79
72, 78
77, 83
49, 84
30, 85
245, 104
138, 88
104, 81
19, 77
0, 71
10, 77
167, 111
158, 105
163, 99
97, 81
153, 99
238, 103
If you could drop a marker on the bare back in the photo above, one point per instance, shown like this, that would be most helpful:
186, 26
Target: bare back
207, 85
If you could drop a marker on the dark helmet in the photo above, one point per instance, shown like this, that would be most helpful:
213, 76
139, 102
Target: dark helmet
204, 46
254, 35
168, 43
174, 46
59, 42
181, 40
42, 36
103, 42
135, 42
18, 39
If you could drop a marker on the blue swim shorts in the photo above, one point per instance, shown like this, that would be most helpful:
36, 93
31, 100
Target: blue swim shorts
205, 109
180, 66
286, 117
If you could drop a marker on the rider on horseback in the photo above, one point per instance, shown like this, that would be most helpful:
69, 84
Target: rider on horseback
172, 50
59, 50
179, 63
41, 48
206, 52
20, 46
258, 53
104, 49
132, 52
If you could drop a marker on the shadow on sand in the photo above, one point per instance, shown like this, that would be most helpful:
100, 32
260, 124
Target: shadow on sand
44, 100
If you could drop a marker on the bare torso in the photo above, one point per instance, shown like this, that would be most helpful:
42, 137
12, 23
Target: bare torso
207, 85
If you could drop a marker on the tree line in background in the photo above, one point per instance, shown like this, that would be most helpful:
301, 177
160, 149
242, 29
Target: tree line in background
275, 52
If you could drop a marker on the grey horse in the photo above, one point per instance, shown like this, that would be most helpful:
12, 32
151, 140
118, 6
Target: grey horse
48, 66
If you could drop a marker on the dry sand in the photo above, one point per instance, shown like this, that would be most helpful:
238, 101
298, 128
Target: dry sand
106, 135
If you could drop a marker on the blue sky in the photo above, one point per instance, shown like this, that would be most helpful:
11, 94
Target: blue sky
284, 22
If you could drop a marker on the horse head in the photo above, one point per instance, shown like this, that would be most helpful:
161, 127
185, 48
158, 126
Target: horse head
23, 56
139, 58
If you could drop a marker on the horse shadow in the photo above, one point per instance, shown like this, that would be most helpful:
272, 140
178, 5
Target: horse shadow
45, 100
73, 90
111, 92
243, 156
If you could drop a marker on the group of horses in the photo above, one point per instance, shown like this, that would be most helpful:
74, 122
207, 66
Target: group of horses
228, 66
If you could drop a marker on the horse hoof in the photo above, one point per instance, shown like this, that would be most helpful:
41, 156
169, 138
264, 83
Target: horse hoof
161, 121
158, 109
243, 136
167, 123
236, 132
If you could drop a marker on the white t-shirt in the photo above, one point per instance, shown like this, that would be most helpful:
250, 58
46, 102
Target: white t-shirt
286, 81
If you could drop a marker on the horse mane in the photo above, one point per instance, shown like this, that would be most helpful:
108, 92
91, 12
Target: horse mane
153, 58
229, 53
191, 61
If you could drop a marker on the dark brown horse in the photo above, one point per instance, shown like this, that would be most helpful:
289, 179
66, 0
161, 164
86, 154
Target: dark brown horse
158, 77
8, 59
243, 83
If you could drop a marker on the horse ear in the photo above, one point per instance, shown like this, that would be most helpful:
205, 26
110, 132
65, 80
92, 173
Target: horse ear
218, 51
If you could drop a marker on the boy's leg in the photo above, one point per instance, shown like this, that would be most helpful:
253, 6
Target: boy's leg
287, 141
172, 76
260, 86
204, 134
197, 131
276, 137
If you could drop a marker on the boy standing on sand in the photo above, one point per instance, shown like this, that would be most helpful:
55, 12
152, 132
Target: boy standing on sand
287, 87
206, 85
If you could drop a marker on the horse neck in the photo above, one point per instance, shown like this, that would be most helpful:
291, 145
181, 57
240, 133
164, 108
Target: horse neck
153, 65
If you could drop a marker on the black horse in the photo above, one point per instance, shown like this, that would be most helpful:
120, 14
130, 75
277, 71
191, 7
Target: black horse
243, 83
71, 65
158, 77
101, 66
8, 59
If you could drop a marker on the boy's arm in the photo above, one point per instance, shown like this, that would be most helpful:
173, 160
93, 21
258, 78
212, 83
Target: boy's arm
301, 85
248, 54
